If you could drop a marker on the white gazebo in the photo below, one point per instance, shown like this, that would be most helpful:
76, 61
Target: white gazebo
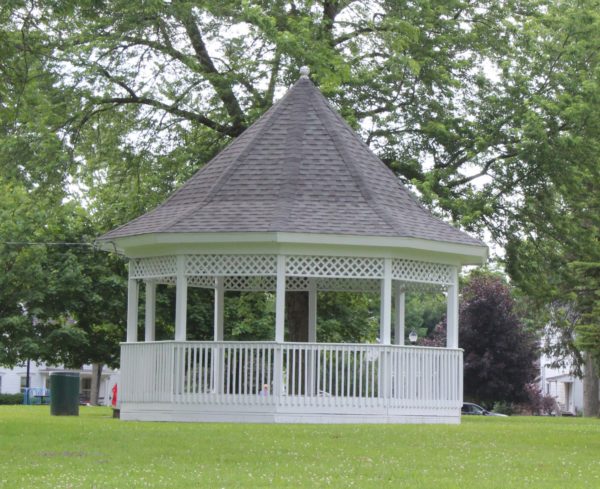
296, 203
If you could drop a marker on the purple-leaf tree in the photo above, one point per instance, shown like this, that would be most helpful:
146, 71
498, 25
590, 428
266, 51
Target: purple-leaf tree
499, 353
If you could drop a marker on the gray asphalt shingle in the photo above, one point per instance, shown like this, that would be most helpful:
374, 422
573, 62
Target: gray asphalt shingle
299, 168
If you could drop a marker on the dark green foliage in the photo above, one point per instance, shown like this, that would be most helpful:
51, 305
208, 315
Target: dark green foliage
11, 399
346, 317
552, 239
502, 407
424, 311
249, 316
588, 302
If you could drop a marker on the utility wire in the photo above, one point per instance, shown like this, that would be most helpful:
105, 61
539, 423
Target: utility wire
49, 243
94, 246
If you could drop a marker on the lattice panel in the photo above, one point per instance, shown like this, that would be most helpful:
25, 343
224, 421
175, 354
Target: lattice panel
166, 280
250, 283
257, 272
420, 271
349, 285
219, 265
155, 267
334, 266
419, 287
296, 284
202, 281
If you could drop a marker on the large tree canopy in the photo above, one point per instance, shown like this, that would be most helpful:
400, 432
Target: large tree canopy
486, 109
553, 243
158, 87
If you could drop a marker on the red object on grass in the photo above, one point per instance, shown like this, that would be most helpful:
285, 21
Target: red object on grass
114, 396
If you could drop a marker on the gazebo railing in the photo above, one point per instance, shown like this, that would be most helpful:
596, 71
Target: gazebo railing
316, 375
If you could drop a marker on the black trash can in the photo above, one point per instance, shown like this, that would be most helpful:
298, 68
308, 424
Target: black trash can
64, 394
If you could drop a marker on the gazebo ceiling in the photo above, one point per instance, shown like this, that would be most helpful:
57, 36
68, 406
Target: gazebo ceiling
299, 169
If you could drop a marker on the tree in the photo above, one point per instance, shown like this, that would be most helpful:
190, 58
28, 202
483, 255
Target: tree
487, 109
60, 301
181, 78
21, 280
500, 355
553, 244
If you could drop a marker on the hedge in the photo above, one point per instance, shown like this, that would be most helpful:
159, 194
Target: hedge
11, 398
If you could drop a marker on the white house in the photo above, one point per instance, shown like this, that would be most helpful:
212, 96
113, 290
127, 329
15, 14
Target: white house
14, 380
296, 203
561, 384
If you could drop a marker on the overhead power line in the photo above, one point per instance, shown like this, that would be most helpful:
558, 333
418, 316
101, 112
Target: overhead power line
48, 243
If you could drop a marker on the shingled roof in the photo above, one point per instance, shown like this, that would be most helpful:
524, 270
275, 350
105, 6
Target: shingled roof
301, 169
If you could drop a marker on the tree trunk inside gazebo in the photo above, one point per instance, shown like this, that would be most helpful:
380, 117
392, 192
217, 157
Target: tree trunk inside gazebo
296, 306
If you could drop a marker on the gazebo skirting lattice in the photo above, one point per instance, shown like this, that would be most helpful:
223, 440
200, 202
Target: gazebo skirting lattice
290, 382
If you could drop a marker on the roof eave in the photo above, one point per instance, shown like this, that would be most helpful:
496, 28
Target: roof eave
138, 245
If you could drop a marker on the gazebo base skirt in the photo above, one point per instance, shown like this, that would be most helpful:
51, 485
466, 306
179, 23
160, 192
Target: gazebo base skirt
212, 414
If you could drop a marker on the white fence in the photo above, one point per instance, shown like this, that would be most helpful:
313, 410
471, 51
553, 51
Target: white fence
314, 375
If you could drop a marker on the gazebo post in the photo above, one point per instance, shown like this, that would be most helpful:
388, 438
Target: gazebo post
312, 310
150, 319
218, 327
452, 312
279, 325
280, 300
385, 328
312, 334
181, 300
219, 308
400, 301
385, 320
132, 310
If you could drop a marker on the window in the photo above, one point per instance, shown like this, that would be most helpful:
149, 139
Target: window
23, 382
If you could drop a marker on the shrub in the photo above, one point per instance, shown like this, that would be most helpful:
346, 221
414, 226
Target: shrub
11, 398
502, 407
537, 402
549, 406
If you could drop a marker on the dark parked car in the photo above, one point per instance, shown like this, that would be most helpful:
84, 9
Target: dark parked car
470, 408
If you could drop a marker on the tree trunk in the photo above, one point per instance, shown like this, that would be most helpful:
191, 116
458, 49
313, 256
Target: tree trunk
95, 388
28, 373
590, 387
296, 306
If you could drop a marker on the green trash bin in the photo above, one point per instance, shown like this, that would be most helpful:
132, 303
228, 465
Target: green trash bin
64, 390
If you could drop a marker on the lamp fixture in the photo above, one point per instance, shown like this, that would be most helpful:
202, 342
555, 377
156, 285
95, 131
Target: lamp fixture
412, 336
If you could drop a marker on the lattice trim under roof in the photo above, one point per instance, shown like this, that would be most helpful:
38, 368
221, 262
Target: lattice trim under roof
154, 267
334, 266
222, 265
257, 272
422, 272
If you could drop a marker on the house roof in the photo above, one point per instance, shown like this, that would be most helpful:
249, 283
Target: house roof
301, 169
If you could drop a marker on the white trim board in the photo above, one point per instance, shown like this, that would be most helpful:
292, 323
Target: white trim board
158, 244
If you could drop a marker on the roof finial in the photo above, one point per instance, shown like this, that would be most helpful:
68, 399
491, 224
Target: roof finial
304, 72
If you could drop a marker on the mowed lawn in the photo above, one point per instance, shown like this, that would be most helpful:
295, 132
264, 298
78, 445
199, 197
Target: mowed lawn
96, 451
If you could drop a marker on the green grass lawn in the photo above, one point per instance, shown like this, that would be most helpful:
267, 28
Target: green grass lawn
95, 451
